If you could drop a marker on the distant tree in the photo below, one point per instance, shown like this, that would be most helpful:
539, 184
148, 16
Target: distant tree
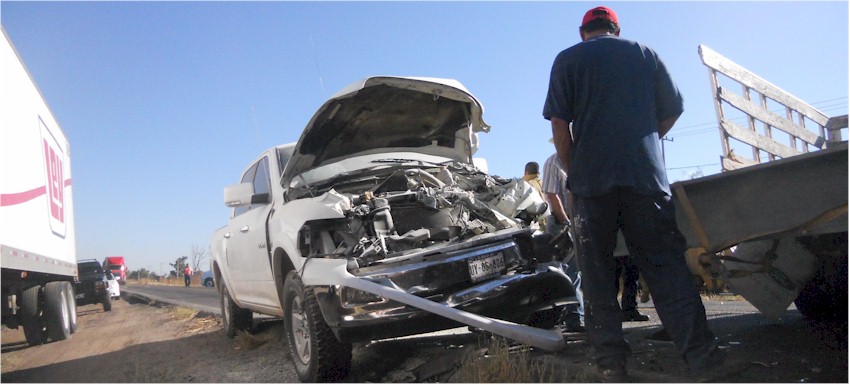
140, 273
197, 257
178, 266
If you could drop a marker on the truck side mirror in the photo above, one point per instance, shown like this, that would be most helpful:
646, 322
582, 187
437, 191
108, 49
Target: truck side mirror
242, 194
239, 194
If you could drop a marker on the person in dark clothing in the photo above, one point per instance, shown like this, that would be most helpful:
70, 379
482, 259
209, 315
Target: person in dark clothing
610, 101
628, 300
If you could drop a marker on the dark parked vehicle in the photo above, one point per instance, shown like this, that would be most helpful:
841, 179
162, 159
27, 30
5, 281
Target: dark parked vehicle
92, 286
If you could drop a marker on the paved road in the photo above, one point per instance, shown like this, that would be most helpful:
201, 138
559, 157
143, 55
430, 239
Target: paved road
201, 298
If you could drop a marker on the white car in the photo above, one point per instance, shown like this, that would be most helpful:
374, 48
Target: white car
381, 193
113, 287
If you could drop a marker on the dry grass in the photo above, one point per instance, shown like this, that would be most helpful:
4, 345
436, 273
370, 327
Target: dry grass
166, 281
181, 313
247, 341
506, 363
203, 325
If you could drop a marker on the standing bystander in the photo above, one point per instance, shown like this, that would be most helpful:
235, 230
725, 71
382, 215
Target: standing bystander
610, 101
187, 275
557, 196
532, 176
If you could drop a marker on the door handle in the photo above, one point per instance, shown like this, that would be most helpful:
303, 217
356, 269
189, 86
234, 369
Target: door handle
227, 235
244, 229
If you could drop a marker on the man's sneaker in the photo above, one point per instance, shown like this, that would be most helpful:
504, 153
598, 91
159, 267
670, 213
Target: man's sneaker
634, 316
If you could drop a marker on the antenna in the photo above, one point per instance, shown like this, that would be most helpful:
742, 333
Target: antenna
318, 70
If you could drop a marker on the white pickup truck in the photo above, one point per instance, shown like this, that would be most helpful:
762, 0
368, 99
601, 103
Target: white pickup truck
377, 224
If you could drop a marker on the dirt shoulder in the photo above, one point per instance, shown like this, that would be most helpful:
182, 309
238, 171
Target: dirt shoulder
138, 342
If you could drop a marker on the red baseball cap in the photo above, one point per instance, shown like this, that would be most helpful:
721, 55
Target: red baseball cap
603, 13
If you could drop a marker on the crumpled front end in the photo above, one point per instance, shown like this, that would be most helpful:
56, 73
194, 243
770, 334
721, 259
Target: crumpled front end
446, 233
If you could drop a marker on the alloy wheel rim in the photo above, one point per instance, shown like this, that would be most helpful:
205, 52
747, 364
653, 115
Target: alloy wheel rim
300, 331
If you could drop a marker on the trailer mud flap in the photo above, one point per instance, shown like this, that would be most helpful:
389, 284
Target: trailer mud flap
322, 272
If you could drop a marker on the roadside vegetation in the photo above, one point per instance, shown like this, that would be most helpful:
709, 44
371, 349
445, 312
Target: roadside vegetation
503, 362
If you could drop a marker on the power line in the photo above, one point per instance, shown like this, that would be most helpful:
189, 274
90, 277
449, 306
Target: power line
697, 166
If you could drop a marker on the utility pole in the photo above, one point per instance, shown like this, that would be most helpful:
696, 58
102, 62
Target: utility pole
663, 155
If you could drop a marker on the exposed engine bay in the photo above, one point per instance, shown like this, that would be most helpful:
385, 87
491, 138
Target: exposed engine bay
402, 207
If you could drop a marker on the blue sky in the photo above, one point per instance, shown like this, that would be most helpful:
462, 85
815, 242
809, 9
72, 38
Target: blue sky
165, 103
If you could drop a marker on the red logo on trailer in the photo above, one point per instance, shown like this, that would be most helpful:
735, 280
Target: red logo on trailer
54, 166
55, 190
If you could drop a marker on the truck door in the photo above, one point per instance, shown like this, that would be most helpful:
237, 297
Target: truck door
247, 250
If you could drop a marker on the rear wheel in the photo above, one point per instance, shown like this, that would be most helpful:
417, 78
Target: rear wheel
825, 296
56, 312
317, 354
209, 282
234, 318
31, 320
72, 307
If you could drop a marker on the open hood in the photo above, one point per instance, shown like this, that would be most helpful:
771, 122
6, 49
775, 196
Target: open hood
374, 115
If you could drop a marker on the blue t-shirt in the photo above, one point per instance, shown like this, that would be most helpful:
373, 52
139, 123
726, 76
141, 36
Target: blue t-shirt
614, 91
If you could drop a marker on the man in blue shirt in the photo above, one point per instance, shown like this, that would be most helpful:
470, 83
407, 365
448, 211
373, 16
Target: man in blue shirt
610, 101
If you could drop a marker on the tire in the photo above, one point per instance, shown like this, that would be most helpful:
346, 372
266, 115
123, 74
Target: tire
209, 282
316, 353
56, 313
106, 299
825, 296
72, 307
233, 317
31, 320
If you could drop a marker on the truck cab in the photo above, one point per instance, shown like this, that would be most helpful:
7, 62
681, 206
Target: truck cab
118, 268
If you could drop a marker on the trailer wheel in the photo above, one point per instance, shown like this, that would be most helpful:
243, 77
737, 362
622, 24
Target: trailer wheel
233, 317
825, 296
31, 320
56, 313
72, 307
317, 354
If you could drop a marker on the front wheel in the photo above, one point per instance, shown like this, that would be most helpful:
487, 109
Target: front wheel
233, 317
317, 354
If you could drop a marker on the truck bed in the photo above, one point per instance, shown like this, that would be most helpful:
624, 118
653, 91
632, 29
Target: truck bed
801, 195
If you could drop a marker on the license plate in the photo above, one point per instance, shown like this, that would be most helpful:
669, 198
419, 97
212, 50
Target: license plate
80, 296
486, 266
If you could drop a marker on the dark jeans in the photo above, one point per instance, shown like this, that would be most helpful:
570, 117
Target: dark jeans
629, 271
572, 313
657, 248
187, 279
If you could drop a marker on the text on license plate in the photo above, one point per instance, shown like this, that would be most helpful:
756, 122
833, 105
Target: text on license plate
486, 266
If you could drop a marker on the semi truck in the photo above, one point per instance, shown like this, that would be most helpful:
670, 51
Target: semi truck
37, 238
118, 268
772, 226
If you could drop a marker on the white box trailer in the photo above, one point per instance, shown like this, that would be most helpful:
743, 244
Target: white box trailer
37, 246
